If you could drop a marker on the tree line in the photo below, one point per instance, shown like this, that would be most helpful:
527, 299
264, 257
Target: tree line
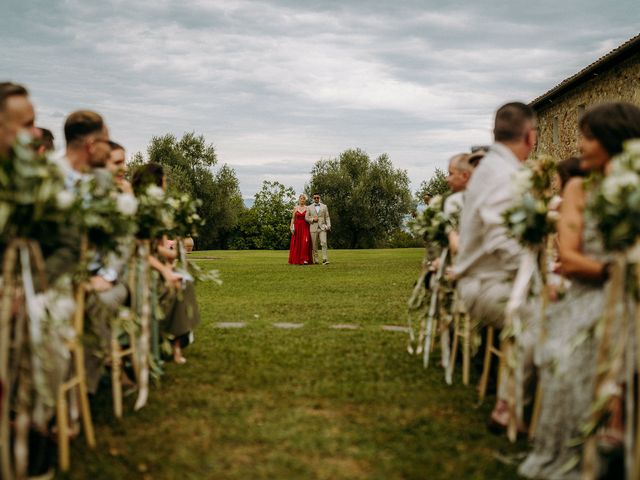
369, 200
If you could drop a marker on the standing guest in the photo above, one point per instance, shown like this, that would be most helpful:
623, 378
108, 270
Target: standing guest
300, 248
181, 314
488, 258
568, 367
320, 223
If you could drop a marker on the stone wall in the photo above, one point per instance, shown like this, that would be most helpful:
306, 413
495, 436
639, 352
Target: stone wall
558, 123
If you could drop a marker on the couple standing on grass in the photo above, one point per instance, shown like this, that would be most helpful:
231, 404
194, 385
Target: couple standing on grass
309, 225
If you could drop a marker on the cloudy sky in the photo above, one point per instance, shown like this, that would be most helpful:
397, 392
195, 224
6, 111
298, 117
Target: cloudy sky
278, 85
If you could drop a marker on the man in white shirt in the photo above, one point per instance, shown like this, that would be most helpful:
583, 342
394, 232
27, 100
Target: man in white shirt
488, 258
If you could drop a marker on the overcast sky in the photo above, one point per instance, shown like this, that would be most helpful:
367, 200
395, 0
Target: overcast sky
278, 85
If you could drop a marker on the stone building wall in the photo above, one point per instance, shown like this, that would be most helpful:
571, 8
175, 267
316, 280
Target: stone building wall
558, 123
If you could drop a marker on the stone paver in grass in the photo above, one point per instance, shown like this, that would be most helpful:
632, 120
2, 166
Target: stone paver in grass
288, 326
395, 328
345, 326
231, 325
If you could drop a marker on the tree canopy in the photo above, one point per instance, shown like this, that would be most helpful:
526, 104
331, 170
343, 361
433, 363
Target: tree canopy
266, 224
436, 185
189, 164
367, 199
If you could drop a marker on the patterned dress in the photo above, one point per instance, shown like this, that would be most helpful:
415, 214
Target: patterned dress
567, 371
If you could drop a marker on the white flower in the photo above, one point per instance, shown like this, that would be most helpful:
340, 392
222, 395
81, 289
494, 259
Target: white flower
521, 181
553, 215
64, 199
155, 191
614, 183
173, 203
127, 204
633, 146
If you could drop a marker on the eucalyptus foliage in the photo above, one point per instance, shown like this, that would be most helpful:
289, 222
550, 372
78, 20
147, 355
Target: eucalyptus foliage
529, 218
29, 188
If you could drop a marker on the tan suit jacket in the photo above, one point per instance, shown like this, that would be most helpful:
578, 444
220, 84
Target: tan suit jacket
323, 218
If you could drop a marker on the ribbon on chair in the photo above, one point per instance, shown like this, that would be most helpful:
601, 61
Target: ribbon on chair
435, 288
512, 336
145, 324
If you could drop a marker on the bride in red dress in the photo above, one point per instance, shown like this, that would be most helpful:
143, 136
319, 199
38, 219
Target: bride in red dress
300, 248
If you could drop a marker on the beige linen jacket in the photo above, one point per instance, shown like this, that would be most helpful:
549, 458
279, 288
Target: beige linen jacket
323, 218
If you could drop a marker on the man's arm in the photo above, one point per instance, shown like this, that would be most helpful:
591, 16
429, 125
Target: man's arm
308, 217
328, 220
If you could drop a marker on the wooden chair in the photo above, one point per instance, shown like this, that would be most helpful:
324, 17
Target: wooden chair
117, 355
117, 352
489, 350
462, 329
77, 381
22, 260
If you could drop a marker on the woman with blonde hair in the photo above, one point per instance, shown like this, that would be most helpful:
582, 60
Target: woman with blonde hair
300, 247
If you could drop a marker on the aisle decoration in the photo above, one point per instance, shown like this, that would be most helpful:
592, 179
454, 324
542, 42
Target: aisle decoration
616, 207
531, 221
30, 189
433, 226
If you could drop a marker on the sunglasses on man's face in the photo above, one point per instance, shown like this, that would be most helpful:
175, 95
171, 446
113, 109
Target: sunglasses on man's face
316, 198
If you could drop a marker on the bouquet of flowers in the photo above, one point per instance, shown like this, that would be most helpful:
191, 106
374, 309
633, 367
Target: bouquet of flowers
616, 203
103, 212
154, 217
433, 223
187, 221
30, 186
529, 219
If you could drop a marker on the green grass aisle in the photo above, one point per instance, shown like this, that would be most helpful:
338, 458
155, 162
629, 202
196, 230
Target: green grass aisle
306, 403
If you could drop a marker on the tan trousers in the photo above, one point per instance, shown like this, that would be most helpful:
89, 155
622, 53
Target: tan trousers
319, 236
486, 302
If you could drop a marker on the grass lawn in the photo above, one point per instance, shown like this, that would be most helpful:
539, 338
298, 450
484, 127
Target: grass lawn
306, 403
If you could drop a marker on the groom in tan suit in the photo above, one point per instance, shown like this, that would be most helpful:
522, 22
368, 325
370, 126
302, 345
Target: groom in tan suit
320, 223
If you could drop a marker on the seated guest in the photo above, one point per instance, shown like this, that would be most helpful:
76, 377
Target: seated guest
116, 164
460, 169
568, 366
181, 311
86, 155
46, 145
488, 258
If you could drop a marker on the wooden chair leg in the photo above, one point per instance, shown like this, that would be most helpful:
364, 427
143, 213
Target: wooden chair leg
535, 415
116, 379
83, 398
466, 348
454, 348
63, 429
484, 378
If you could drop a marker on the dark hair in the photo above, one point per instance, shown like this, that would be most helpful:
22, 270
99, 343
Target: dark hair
147, 174
474, 158
80, 124
9, 89
569, 168
315, 193
611, 124
115, 146
511, 121
47, 139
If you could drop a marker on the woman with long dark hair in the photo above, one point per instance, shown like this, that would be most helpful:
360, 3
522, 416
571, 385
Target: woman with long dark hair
568, 357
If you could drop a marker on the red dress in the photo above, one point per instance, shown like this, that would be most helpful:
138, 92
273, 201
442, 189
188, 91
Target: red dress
300, 248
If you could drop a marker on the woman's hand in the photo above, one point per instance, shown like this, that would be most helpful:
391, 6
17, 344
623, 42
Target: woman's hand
171, 278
